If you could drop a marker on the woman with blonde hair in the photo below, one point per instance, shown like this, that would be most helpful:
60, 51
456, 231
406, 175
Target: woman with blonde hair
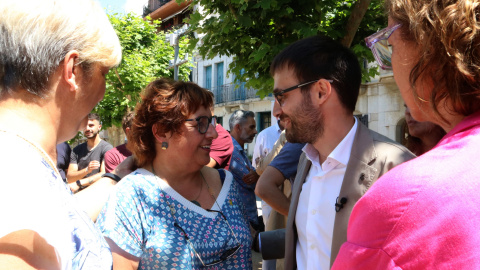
174, 211
424, 214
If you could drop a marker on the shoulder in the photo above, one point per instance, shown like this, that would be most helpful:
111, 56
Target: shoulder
80, 147
385, 147
105, 145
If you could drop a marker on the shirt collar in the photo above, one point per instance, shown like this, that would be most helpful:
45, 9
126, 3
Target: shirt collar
341, 153
237, 145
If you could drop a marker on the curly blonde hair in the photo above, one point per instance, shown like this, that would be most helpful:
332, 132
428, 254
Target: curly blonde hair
448, 36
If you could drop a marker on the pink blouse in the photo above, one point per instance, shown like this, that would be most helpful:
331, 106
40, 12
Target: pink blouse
423, 214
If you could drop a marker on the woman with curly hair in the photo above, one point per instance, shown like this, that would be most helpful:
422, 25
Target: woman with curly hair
424, 214
174, 212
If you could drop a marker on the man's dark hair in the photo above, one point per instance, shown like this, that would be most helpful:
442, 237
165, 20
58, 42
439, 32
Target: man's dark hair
93, 116
127, 120
320, 57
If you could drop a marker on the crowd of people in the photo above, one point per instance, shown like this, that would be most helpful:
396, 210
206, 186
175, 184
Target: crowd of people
181, 192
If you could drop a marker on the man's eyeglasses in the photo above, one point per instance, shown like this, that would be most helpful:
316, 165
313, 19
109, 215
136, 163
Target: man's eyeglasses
381, 49
203, 122
226, 254
279, 95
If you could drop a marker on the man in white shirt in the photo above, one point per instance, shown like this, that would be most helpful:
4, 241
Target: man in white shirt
263, 145
316, 85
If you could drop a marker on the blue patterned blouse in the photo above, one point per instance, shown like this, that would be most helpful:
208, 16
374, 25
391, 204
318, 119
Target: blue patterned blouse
138, 219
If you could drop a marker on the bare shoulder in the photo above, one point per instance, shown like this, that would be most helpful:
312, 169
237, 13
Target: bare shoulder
212, 177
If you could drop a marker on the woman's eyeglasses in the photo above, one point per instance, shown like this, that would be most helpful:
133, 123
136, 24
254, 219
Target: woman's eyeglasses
203, 122
381, 49
225, 255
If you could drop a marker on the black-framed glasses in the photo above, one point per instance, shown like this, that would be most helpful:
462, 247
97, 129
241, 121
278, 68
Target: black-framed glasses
225, 255
279, 95
381, 49
203, 122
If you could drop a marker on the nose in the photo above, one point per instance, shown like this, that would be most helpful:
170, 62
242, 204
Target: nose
277, 110
211, 132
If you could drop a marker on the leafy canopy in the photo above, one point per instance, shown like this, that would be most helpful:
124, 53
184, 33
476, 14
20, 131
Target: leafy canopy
146, 56
254, 31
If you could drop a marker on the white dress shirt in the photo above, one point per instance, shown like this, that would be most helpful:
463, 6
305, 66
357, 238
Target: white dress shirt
315, 215
263, 145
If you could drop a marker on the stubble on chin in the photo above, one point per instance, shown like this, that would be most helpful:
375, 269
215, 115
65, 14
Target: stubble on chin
307, 125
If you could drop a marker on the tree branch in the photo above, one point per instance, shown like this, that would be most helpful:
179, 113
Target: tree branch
354, 21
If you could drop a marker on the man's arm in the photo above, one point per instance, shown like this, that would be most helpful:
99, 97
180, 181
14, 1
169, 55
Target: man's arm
74, 174
268, 190
265, 161
26, 249
94, 197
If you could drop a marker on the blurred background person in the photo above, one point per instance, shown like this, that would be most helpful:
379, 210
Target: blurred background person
63, 159
173, 195
54, 56
118, 154
243, 129
423, 214
422, 136
221, 149
87, 159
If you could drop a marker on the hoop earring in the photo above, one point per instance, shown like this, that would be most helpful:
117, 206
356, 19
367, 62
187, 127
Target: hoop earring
164, 145
423, 100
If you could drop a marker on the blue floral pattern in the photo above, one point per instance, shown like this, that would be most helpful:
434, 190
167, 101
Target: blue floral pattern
138, 219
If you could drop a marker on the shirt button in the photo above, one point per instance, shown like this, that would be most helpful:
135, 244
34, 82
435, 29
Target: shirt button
312, 246
314, 212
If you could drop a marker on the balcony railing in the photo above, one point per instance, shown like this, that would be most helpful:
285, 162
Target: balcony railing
233, 92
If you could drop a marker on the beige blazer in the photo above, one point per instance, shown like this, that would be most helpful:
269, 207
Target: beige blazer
372, 155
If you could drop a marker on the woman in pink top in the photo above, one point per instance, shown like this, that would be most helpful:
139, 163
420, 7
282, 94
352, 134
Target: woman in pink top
425, 214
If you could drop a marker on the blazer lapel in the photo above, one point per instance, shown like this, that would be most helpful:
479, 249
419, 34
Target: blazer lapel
359, 176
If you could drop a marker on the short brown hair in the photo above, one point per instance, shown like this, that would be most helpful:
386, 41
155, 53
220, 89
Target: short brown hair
167, 103
447, 34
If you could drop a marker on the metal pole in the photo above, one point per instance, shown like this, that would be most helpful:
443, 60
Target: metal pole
175, 67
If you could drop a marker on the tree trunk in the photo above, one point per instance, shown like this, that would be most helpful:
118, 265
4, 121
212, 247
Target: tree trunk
353, 23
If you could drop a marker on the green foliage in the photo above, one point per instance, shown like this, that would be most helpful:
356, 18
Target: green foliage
146, 56
254, 31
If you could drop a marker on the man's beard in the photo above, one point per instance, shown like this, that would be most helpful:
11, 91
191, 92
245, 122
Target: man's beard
93, 134
246, 138
307, 125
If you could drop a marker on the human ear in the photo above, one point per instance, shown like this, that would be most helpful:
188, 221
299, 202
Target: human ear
324, 90
159, 135
70, 71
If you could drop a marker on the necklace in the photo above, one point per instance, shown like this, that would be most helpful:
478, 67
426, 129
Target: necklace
39, 149
194, 201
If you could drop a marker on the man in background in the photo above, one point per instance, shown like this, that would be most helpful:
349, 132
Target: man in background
243, 130
116, 155
63, 159
86, 161
221, 149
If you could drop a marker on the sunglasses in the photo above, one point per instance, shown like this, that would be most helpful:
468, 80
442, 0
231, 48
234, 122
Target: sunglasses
226, 254
203, 123
381, 49
279, 95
